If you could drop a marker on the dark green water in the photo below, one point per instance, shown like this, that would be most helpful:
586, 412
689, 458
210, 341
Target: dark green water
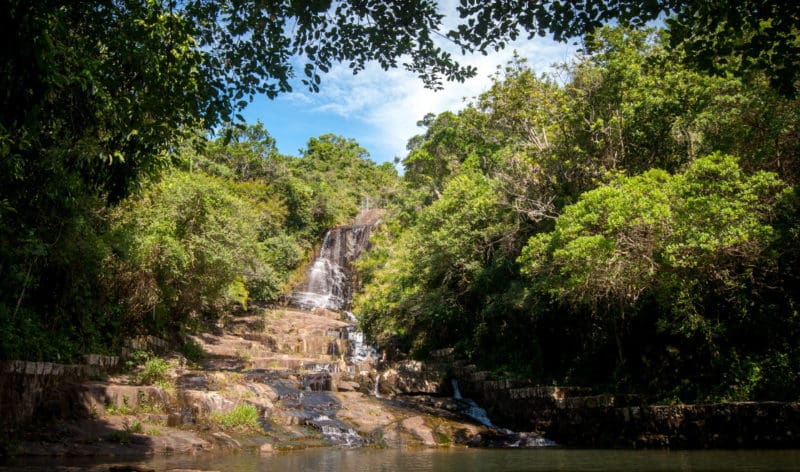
466, 460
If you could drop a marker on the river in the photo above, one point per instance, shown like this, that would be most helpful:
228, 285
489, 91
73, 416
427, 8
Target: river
466, 460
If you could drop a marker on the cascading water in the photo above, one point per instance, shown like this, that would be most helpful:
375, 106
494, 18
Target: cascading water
359, 350
471, 408
337, 432
330, 283
507, 438
331, 279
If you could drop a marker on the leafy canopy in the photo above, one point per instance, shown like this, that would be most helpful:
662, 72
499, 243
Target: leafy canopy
742, 37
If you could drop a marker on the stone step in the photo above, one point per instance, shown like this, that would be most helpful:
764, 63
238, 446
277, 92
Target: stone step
90, 398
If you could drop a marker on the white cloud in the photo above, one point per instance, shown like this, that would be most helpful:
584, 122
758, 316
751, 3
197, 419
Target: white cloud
391, 102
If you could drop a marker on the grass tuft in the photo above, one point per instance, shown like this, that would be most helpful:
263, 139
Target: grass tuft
243, 417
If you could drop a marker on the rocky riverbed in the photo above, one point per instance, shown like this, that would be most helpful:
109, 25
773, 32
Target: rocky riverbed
293, 368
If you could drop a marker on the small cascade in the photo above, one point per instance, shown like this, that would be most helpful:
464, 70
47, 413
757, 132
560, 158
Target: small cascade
377, 390
503, 437
471, 408
359, 351
336, 432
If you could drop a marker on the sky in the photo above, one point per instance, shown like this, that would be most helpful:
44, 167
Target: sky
380, 109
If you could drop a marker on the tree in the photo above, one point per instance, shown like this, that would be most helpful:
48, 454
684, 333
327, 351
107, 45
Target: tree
341, 179
438, 154
182, 248
95, 96
680, 242
745, 37
249, 152
111, 84
424, 291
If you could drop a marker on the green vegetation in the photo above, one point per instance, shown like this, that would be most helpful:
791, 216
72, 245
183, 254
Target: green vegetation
225, 228
122, 410
134, 427
243, 417
154, 371
722, 37
599, 231
628, 223
144, 405
193, 352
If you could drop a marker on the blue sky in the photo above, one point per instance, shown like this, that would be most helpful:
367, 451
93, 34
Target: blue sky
380, 109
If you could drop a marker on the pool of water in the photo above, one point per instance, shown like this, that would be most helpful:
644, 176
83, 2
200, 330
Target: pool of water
466, 460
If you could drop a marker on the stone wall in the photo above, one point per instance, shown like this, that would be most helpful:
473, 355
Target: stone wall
31, 389
574, 417
571, 417
748, 425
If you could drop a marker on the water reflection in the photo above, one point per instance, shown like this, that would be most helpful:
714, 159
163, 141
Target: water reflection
468, 460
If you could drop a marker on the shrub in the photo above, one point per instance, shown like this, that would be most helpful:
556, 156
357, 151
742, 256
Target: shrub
153, 371
193, 351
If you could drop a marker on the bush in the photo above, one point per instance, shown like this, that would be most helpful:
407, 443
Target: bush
155, 370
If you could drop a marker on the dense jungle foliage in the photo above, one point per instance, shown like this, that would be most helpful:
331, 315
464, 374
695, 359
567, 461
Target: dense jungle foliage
629, 222
625, 223
228, 225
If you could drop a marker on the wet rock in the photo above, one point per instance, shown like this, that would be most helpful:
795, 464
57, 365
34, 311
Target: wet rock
336, 432
416, 426
498, 438
318, 382
225, 441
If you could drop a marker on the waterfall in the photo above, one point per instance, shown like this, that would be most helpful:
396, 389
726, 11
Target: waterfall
331, 279
456, 390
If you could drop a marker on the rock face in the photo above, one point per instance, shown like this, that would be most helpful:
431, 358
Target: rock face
414, 378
